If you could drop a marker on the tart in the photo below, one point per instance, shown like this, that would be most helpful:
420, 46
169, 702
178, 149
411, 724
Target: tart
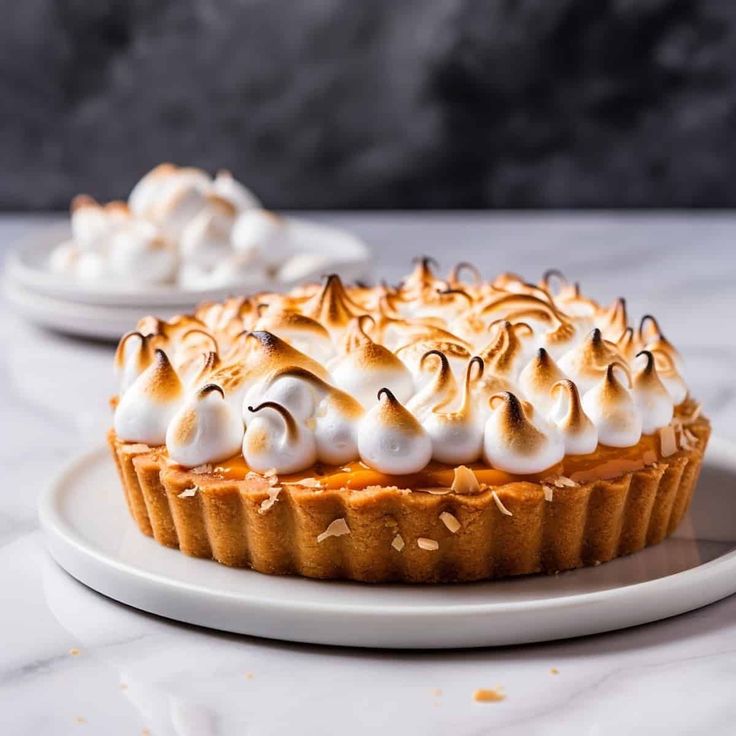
442, 430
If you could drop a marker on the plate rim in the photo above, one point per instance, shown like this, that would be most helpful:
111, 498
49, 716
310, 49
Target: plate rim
43, 282
54, 525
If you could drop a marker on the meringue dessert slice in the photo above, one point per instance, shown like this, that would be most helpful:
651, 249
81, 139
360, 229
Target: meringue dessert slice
496, 427
182, 228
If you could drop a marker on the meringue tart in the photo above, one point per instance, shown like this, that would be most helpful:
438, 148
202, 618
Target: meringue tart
442, 430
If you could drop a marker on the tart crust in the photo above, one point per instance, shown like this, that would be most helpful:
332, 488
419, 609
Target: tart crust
228, 521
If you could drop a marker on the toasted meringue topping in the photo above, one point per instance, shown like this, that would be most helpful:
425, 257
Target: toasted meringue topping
438, 393
262, 233
274, 439
457, 436
182, 226
391, 440
588, 362
613, 410
537, 379
133, 355
519, 440
369, 366
206, 429
650, 395
457, 384
147, 407
578, 431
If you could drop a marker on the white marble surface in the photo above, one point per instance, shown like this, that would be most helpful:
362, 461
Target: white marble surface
73, 662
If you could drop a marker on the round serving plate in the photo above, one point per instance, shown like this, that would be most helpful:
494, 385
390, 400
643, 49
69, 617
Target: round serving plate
91, 535
26, 267
83, 320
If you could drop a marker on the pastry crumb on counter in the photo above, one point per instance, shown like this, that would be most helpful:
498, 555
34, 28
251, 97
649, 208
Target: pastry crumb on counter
554, 671
489, 695
74, 652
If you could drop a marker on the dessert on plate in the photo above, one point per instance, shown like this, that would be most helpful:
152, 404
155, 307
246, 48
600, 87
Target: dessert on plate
443, 430
182, 227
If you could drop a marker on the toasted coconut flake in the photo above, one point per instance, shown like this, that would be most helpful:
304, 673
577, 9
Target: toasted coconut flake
668, 441
489, 695
133, 449
500, 505
695, 415
219, 469
438, 491
549, 492
255, 481
338, 528
267, 503
450, 522
398, 543
205, 469
188, 492
269, 473
562, 481
465, 480
431, 545
305, 482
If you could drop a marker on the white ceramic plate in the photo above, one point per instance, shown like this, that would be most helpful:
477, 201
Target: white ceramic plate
85, 320
90, 534
26, 268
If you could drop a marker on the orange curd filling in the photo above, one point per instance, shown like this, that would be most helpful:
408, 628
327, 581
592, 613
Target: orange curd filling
604, 463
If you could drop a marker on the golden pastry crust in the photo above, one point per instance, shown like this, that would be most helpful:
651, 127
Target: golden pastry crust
513, 529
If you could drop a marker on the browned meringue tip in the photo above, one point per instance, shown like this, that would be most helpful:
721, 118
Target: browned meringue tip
208, 389
166, 382
615, 316
455, 278
295, 371
117, 206
287, 318
203, 333
120, 350
284, 413
444, 364
425, 265
331, 306
83, 200
515, 422
575, 417
552, 274
626, 343
396, 414
388, 395
649, 367
225, 206
475, 362
649, 327
278, 353
612, 381
453, 292
164, 169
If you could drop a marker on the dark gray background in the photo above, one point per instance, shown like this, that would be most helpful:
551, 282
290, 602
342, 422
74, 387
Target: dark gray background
374, 103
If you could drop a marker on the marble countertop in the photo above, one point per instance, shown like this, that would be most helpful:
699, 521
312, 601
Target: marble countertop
74, 662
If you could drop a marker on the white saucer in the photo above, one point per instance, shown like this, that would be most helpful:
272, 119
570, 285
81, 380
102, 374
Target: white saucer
90, 534
27, 268
84, 320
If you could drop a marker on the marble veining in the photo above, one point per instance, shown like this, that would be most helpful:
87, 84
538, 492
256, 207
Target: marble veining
72, 661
